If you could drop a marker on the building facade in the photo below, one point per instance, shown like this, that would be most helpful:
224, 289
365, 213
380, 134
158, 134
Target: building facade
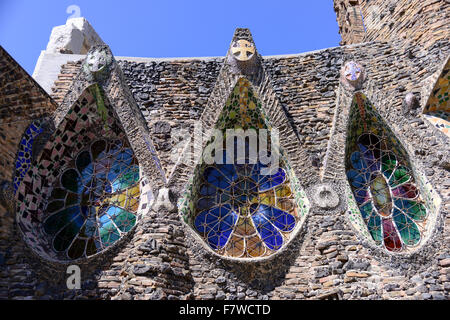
103, 167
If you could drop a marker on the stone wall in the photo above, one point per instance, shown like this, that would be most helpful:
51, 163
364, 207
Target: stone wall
328, 259
350, 21
420, 21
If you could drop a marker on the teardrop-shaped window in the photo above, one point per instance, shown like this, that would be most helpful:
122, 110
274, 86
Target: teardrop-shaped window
83, 193
238, 206
382, 180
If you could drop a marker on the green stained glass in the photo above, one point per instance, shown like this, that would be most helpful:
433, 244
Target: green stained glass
109, 234
374, 226
382, 180
388, 163
366, 210
415, 210
123, 219
401, 175
408, 230
128, 178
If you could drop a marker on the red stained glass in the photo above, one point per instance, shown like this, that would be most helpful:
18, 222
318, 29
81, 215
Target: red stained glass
408, 191
391, 239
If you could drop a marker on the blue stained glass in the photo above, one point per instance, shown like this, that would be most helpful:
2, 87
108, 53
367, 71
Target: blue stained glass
216, 178
357, 161
90, 227
268, 233
370, 161
227, 190
366, 210
229, 171
385, 192
121, 163
71, 181
127, 178
361, 196
252, 222
93, 192
104, 219
58, 220
208, 219
357, 179
205, 203
65, 237
86, 174
269, 182
83, 161
23, 162
206, 190
279, 218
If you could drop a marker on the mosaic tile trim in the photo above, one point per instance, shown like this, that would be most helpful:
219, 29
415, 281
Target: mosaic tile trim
383, 183
437, 109
25, 152
85, 191
238, 212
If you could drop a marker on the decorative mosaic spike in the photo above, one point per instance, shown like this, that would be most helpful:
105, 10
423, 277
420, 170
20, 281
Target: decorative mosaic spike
382, 181
242, 56
84, 191
352, 75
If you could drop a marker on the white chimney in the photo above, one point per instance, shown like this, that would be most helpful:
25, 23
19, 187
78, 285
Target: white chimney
75, 37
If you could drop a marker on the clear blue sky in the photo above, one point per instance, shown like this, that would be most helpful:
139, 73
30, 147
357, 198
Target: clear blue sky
189, 28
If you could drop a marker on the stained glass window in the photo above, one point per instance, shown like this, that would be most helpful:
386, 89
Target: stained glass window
239, 211
96, 201
382, 181
83, 191
437, 109
25, 152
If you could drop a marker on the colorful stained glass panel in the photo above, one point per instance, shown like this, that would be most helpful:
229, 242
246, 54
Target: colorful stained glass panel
383, 184
97, 201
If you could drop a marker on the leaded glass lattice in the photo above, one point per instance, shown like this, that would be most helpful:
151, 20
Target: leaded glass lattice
96, 201
238, 211
83, 191
382, 180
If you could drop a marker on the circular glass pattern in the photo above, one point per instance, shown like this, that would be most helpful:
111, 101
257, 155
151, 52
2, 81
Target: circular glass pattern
386, 195
243, 213
96, 202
